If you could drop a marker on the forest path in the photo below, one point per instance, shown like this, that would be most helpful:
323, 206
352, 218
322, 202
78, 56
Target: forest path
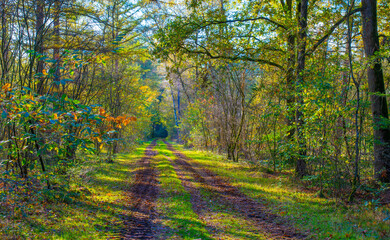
141, 199
273, 226
199, 204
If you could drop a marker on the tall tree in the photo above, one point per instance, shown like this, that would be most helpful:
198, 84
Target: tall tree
377, 90
39, 38
302, 35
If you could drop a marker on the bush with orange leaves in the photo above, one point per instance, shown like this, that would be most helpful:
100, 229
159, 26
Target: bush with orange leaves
106, 129
50, 128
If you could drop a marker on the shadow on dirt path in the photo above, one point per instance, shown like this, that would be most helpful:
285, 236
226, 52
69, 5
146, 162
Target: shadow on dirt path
199, 204
276, 227
141, 198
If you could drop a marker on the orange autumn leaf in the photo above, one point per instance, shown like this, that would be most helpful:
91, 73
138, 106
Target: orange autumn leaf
102, 111
74, 116
6, 88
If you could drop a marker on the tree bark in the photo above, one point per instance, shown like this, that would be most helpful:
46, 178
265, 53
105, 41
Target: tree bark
5, 42
56, 50
377, 91
39, 28
300, 169
290, 100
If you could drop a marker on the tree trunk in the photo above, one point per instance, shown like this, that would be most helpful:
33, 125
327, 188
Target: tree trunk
175, 112
290, 100
39, 28
301, 162
377, 90
56, 50
5, 42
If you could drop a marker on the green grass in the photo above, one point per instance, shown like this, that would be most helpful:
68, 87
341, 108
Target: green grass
222, 222
97, 200
321, 218
96, 214
174, 204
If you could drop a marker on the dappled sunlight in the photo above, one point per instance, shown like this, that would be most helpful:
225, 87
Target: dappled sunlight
219, 196
174, 203
94, 216
194, 119
282, 197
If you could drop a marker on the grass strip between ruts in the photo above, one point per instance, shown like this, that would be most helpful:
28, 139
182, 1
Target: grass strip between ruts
174, 204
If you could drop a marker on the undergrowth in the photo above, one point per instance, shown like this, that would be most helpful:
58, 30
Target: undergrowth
87, 203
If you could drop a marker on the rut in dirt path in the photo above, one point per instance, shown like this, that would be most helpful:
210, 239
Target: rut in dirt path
142, 196
199, 205
270, 224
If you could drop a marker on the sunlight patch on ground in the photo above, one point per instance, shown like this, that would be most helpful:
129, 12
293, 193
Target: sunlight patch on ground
323, 218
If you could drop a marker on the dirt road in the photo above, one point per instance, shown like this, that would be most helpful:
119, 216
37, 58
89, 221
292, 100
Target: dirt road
195, 179
274, 226
142, 196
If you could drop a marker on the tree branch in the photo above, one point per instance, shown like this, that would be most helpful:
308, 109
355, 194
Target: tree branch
233, 58
331, 30
242, 20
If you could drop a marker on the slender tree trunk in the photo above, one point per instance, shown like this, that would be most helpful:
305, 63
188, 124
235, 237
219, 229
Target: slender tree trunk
377, 90
290, 77
356, 177
174, 111
39, 28
4, 42
178, 113
56, 50
300, 169
117, 107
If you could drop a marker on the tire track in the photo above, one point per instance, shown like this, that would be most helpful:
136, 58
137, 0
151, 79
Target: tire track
142, 196
276, 226
199, 205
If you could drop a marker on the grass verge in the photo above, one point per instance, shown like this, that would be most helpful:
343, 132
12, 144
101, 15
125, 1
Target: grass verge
320, 218
94, 213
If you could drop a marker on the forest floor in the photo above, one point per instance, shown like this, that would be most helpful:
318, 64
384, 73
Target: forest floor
163, 191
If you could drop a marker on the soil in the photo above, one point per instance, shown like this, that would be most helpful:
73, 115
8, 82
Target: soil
141, 224
142, 196
274, 226
199, 205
